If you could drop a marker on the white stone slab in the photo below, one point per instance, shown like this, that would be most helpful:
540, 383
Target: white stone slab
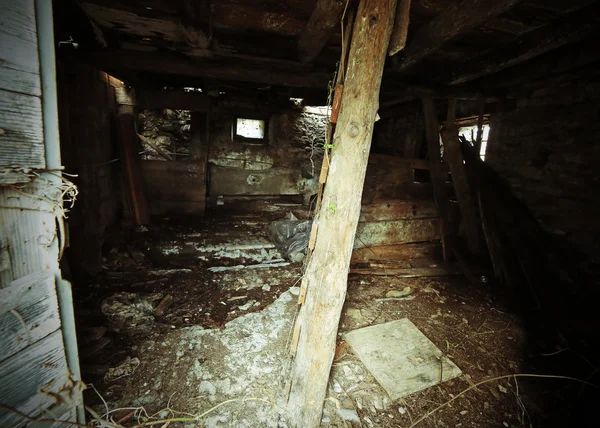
401, 358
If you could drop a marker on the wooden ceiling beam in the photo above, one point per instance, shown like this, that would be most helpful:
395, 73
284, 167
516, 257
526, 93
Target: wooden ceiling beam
457, 19
321, 25
177, 65
571, 29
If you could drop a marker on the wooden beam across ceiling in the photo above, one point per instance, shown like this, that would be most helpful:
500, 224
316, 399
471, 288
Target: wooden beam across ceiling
178, 65
321, 25
570, 29
457, 19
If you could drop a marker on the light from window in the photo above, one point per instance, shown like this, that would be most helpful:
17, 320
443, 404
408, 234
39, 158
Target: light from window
250, 128
470, 133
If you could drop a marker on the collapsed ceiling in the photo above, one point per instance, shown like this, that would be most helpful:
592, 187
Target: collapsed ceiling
464, 50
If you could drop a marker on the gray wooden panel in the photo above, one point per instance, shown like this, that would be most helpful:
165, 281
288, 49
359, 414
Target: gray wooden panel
373, 234
19, 65
19, 61
28, 312
21, 130
29, 235
22, 376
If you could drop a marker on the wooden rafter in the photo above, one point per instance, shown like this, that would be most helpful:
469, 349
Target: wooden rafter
321, 25
457, 19
552, 36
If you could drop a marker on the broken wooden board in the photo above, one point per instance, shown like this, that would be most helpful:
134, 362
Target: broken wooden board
408, 272
401, 358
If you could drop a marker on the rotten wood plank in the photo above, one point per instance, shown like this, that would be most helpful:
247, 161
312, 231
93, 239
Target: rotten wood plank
398, 39
421, 250
28, 312
319, 28
456, 19
409, 272
325, 276
376, 233
397, 210
438, 176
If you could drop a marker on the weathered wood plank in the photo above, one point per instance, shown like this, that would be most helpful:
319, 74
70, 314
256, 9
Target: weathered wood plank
321, 25
28, 231
222, 69
407, 273
28, 312
397, 210
325, 280
373, 234
19, 65
458, 18
21, 141
273, 181
18, 18
38, 365
422, 250
398, 39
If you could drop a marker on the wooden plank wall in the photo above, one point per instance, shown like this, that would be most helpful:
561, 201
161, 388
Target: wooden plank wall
398, 221
33, 355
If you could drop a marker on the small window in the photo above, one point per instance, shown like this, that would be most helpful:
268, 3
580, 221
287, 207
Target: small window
250, 130
470, 133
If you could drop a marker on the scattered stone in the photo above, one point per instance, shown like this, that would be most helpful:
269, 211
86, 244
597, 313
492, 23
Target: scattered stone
399, 293
266, 287
502, 389
130, 313
207, 387
464, 412
337, 387
126, 368
401, 410
348, 415
247, 305
378, 403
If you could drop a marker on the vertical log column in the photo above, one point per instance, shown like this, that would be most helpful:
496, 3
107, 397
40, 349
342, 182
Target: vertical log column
200, 146
326, 276
130, 157
438, 175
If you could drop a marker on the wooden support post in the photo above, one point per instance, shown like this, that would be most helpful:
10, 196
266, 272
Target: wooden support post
200, 144
438, 174
327, 270
454, 157
130, 157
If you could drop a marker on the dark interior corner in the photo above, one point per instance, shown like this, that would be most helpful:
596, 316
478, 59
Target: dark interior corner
242, 213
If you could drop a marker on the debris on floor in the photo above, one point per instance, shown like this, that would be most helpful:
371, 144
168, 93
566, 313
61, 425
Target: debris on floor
401, 358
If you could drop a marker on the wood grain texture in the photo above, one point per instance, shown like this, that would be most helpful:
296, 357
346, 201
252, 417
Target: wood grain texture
397, 210
42, 364
422, 250
319, 28
377, 233
398, 39
28, 231
408, 272
19, 64
458, 18
325, 278
28, 312
21, 128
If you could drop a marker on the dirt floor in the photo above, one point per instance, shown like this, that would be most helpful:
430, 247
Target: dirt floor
191, 321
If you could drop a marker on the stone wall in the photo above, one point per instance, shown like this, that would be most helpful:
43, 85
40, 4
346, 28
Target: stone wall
547, 148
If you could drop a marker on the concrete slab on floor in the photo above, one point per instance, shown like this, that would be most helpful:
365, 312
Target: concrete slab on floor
401, 358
